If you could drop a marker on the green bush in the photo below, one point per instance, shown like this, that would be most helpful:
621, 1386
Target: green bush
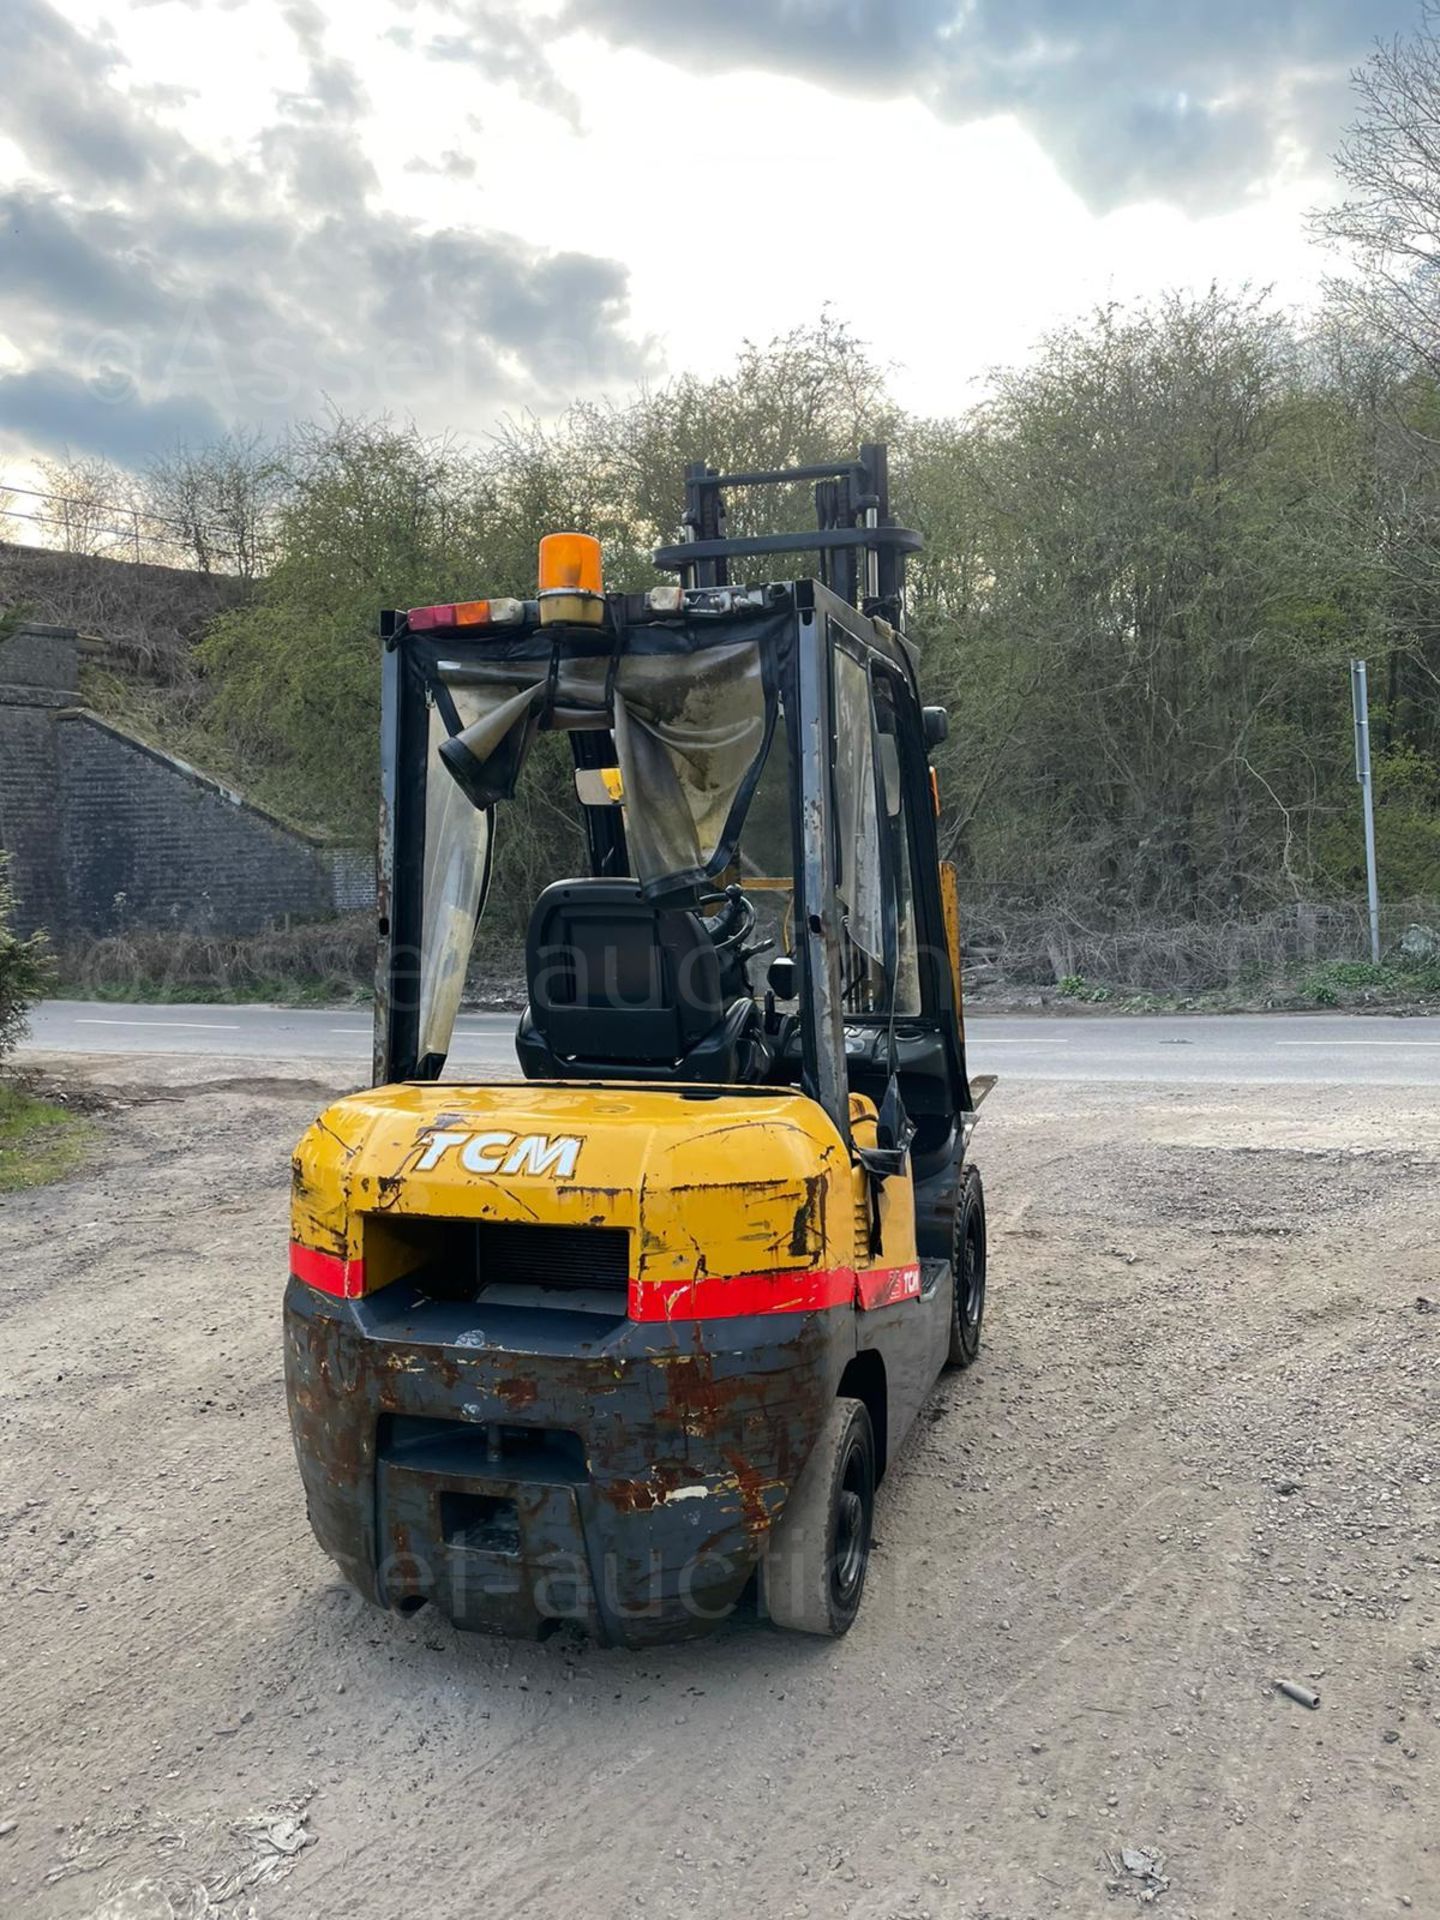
1421, 976
25, 969
1337, 982
1355, 975
1075, 987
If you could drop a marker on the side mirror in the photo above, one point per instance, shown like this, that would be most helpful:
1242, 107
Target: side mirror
783, 977
599, 787
936, 722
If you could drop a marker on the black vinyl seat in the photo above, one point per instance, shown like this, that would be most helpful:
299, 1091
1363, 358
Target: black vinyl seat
621, 989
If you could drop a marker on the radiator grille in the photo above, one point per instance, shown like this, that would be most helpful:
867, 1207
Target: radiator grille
546, 1256
460, 1259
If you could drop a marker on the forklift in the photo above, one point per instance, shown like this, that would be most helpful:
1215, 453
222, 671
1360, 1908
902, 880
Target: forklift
629, 1337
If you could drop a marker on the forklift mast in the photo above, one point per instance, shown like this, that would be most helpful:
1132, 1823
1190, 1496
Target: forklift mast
862, 551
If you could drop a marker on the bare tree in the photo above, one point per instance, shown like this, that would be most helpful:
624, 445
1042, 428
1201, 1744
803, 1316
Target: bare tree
90, 506
214, 507
250, 481
1389, 219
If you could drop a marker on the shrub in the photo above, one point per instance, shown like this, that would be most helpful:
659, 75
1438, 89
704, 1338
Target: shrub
1075, 986
320, 962
1337, 983
25, 969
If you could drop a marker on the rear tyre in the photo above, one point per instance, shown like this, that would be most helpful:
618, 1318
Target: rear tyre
968, 1264
814, 1572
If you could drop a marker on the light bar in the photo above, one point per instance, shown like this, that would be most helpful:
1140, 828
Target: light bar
466, 613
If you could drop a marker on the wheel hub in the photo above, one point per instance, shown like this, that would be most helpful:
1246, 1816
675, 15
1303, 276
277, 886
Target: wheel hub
850, 1529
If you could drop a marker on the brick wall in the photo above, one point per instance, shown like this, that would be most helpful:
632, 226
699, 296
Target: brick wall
108, 835
352, 875
44, 660
30, 828
150, 844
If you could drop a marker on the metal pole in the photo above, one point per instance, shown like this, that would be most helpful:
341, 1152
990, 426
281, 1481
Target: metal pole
1360, 699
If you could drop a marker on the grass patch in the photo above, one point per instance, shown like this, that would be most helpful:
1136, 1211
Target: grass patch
1348, 983
326, 963
1403, 984
1076, 987
277, 992
39, 1141
329, 963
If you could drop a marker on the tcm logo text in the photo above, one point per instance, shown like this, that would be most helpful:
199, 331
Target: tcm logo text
503, 1153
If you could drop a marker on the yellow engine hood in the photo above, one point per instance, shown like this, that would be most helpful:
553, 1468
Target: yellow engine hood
706, 1183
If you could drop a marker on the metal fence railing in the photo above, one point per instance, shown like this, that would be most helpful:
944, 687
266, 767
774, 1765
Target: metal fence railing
116, 530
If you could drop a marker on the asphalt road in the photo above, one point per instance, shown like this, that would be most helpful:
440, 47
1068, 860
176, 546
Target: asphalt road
1225, 1049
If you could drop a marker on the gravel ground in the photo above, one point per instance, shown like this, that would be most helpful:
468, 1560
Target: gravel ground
1198, 1456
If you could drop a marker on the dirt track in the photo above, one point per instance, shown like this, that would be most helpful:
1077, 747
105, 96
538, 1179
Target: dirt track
1200, 1454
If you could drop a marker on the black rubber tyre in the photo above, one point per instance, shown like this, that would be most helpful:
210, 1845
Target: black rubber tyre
968, 1260
814, 1573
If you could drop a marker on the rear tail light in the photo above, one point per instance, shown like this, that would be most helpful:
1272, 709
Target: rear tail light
328, 1272
466, 613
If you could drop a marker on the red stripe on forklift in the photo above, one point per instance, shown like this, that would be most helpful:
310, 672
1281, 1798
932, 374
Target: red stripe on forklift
716, 1297
883, 1286
713, 1297
327, 1272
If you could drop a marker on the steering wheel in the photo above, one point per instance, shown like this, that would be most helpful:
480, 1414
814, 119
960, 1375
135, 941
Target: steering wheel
733, 922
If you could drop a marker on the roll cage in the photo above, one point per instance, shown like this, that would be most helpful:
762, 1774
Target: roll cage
869, 908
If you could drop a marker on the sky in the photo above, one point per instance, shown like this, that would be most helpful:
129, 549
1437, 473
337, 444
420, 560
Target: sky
235, 213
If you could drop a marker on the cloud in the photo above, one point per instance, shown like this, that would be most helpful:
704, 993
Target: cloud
54, 411
60, 107
317, 166
449, 165
1192, 101
501, 45
178, 295
53, 266
265, 317
334, 92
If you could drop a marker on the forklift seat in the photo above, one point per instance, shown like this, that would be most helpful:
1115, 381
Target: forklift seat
622, 989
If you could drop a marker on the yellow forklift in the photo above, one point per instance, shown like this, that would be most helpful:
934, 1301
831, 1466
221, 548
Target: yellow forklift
631, 1336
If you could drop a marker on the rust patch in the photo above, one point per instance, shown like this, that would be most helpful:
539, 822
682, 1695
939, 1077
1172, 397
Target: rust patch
752, 1485
647, 1491
517, 1391
807, 1232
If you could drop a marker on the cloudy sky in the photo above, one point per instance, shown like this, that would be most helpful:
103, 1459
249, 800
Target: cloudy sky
216, 212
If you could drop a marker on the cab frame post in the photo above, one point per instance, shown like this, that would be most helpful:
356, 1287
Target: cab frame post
400, 868
824, 1030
